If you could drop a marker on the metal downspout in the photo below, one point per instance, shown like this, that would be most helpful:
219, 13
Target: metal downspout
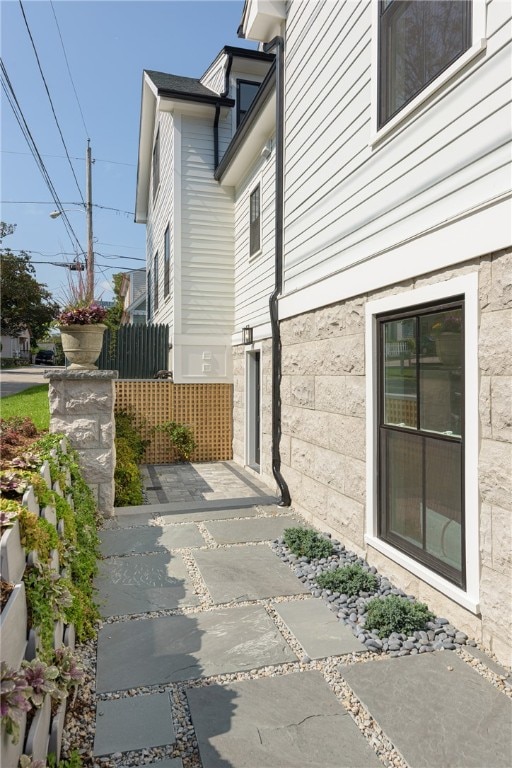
278, 44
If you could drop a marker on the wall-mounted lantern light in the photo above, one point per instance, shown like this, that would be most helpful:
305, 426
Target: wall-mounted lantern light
247, 335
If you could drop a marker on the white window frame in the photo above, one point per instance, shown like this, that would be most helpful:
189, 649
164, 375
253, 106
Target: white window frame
479, 44
466, 286
257, 183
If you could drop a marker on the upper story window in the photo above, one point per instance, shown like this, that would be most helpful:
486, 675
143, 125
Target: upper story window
156, 164
167, 261
254, 221
246, 90
155, 281
417, 42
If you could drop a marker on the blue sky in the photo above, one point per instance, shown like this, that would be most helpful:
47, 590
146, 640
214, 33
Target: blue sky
108, 43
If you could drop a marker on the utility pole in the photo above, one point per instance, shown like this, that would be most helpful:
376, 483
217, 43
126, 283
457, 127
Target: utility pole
88, 210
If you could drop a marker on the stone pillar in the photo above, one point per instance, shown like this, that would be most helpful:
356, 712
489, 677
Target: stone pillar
82, 407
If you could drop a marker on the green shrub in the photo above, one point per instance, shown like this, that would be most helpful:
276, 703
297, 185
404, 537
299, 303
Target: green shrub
126, 427
396, 614
305, 542
128, 483
181, 438
349, 580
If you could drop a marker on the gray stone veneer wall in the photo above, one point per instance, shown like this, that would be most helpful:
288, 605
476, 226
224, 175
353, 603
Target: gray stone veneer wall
82, 407
324, 424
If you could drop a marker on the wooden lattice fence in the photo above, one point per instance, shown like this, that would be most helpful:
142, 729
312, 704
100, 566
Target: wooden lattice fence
205, 408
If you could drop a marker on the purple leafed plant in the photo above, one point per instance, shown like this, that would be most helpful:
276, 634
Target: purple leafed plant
41, 678
88, 314
71, 673
7, 519
14, 699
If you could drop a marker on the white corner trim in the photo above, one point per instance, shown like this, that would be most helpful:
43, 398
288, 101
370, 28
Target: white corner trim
479, 44
466, 285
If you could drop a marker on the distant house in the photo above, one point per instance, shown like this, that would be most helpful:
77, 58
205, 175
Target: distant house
337, 243
16, 347
133, 292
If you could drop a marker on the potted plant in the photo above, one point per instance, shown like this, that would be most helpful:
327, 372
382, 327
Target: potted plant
81, 327
447, 331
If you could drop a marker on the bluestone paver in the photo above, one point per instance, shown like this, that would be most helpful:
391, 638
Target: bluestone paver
317, 629
436, 710
289, 721
246, 573
129, 517
174, 762
198, 514
134, 722
151, 538
173, 648
251, 529
142, 583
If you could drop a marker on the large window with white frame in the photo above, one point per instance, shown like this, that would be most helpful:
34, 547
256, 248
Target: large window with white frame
417, 42
421, 435
255, 221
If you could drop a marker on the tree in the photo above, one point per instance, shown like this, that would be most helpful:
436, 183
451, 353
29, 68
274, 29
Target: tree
115, 313
25, 302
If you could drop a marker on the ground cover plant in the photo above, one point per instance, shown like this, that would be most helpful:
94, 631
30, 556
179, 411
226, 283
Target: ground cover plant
396, 614
33, 402
305, 542
350, 580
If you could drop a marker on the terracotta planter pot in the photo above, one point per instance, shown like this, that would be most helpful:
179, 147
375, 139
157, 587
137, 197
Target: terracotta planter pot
12, 554
10, 752
82, 345
56, 730
36, 744
13, 628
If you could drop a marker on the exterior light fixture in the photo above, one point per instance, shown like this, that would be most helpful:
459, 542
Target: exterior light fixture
247, 335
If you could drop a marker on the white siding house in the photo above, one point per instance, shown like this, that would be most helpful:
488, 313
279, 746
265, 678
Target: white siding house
186, 126
396, 240
341, 250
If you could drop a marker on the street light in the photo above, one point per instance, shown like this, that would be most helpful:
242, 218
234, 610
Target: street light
88, 213
56, 214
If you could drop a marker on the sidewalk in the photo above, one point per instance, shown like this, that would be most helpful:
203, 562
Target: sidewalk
213, 653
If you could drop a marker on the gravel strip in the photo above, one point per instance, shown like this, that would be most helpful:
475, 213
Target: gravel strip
502, 682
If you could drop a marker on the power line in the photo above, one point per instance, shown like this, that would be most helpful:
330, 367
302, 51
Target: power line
67, 253
96, 159
25, 130
69, 71
46, 202
51, 102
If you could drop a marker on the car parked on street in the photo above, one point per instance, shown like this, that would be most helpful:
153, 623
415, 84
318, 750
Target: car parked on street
45, 357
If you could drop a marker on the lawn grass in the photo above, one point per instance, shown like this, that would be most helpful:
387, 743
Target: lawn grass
31, 403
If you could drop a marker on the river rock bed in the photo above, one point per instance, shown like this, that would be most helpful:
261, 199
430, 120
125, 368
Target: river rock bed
438, 634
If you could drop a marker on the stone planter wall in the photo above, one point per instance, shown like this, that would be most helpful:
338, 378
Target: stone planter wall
82, 407
17, 642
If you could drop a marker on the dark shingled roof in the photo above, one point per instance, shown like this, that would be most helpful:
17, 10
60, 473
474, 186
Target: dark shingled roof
183, 87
